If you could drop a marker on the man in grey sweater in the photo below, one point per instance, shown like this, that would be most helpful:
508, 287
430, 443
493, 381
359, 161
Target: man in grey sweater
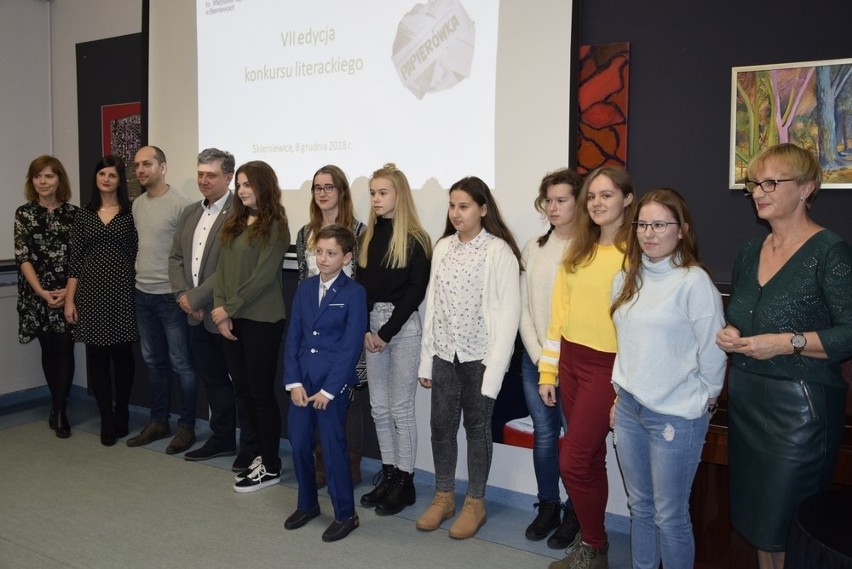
162, 323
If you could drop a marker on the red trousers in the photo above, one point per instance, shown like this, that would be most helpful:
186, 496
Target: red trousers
586, 394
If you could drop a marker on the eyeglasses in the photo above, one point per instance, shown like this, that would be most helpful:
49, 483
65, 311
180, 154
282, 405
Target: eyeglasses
656, 226
326, 189
767, 186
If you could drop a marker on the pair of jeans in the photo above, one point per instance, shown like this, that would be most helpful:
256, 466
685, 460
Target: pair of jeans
658, 455
164, 333
57, 361
253, 362
392, 376
457, 391
586, 393
547, 422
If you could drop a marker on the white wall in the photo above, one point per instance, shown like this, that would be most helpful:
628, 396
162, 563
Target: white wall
25, 96
38, 115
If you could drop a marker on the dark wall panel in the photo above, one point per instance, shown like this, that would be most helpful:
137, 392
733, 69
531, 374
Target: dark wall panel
680, 82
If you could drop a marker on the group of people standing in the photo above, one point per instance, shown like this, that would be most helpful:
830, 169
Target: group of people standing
622, 328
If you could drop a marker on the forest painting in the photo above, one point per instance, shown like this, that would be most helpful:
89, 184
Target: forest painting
808, 104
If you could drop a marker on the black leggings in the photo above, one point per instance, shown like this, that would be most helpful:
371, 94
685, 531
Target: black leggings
101, 382
57, 361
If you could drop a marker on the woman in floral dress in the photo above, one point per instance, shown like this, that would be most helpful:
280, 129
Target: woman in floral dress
42, 243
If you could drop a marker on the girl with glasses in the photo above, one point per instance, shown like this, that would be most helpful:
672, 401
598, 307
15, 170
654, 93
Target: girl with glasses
331, 203
668, 373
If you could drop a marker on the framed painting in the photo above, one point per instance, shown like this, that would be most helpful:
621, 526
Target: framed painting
603, 84
808, 104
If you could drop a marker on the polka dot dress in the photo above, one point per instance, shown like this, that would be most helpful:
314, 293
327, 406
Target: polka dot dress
103, 258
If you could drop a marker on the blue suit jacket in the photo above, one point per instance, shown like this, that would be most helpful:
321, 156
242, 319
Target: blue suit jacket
324, 340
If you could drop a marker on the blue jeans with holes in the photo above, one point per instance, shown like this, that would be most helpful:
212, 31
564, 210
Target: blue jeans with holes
658, 455
547, 422
165, 344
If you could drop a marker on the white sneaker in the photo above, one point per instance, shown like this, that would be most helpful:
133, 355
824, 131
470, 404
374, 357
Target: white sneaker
257, 479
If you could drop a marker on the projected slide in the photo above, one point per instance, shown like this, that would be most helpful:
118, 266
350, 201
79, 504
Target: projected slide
304, 83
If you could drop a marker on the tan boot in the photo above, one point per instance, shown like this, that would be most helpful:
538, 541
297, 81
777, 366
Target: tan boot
472, 518
443, 508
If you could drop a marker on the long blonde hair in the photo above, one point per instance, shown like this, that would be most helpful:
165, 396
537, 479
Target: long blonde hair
406, 223
587, 233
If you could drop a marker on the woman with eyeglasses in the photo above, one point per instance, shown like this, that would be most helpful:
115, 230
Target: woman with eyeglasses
331, 203
668, 374
580, 349
789, 329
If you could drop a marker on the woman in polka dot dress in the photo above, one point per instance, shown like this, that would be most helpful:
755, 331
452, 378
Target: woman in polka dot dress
99, 303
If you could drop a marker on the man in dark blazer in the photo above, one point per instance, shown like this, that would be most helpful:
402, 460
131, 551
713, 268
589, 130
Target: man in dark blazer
192, 264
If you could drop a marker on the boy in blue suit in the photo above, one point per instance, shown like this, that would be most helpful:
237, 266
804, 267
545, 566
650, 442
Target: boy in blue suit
326, 331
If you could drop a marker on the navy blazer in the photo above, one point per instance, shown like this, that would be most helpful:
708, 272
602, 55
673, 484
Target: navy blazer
324, 340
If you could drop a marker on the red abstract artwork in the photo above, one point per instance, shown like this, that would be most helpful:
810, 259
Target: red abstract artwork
602, 97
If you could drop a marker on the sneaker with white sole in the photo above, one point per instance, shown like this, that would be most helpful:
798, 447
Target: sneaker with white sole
257, 479
258, 460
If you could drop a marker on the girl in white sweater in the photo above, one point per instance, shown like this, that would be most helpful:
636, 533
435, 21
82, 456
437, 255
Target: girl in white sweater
473, 307
668, 373
542, 256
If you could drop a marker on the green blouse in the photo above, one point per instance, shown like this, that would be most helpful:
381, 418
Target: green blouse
812, 292
249, 280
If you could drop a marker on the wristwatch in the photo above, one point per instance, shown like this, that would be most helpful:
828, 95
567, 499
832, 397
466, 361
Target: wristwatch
799, 342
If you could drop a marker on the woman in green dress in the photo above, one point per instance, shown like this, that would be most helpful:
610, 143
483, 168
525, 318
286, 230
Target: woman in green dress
789, 329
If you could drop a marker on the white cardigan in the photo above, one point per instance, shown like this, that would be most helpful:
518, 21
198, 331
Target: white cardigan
501, 307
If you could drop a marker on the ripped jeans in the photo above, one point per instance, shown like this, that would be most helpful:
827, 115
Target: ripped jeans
658, 455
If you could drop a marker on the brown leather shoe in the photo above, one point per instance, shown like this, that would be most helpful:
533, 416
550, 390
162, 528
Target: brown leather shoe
184, 439
153, 431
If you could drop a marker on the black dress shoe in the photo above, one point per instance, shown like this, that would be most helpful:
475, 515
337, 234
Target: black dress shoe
338, 530
300, 517
208, 451
108, 439
63, 429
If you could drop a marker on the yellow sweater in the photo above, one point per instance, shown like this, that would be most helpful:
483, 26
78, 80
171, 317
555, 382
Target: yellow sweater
580, 310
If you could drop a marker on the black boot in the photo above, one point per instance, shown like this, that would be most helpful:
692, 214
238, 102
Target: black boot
51, 422
545, 521
567, 530
63, 429
401, 494
372, 499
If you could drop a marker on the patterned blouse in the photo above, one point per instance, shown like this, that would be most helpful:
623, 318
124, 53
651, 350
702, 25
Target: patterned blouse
459, 284
43, 239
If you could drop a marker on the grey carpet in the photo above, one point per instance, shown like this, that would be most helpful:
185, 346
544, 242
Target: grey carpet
74, 503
